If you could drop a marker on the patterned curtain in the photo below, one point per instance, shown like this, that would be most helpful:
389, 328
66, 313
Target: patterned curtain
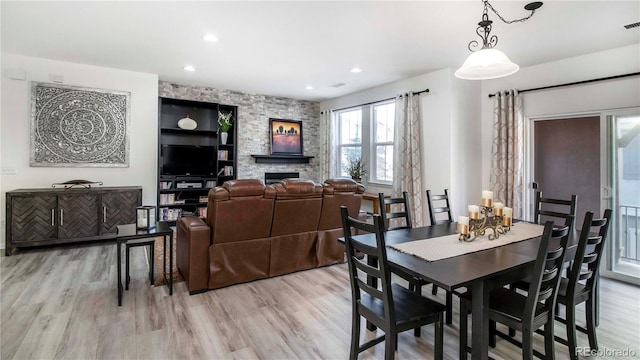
407, 172
328, 146
507, 152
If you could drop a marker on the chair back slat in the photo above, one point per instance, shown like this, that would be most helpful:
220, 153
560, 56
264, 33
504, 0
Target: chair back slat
585, 275
588, 259
549, 274
589, 252
370, 289
594, 240
378, 271
367, 269
438, 209
545, 294
405, 213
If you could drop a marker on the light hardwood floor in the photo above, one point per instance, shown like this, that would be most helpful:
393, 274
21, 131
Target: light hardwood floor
60, 303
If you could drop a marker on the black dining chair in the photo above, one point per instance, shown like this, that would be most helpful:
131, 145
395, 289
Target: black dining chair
415, 284
439, 204
404, 213
439, 208
389, 306
526, 313
553, 208
580, 285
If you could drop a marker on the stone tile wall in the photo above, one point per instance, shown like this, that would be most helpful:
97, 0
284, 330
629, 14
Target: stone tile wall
252, 124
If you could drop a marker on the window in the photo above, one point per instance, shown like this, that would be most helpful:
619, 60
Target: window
350, 127
371, 125
383, 117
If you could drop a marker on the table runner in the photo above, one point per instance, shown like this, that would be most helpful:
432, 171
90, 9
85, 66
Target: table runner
449, 246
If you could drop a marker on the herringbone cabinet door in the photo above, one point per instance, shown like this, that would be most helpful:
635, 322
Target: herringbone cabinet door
78, 215
118, 208
31, 218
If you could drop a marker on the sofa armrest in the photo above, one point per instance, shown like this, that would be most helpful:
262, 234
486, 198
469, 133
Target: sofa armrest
192, 252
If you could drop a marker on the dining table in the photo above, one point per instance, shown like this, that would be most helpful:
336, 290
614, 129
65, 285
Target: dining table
478, 272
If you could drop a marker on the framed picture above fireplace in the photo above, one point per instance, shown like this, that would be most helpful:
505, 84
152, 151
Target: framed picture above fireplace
285, 136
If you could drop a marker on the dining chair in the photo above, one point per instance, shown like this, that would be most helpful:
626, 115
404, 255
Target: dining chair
553, 208
433, 210
389, 203
580, 285
415, 284
390, 307
526, 313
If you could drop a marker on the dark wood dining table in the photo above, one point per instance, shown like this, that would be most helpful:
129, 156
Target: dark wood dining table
479, 272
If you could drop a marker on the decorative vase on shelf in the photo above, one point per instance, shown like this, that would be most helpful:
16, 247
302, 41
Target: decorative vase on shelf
187, 123
223, 137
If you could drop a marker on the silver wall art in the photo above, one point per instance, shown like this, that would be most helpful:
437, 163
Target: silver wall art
75, 126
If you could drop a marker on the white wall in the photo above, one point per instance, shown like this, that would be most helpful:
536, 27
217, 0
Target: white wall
466, 142
16, 119
448, 112
593, 97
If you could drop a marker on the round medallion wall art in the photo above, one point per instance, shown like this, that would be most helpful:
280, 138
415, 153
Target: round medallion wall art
79, 127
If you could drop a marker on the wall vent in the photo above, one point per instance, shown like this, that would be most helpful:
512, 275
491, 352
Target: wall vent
631, 26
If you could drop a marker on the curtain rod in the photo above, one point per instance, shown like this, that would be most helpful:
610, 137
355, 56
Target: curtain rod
373, 102
575, 83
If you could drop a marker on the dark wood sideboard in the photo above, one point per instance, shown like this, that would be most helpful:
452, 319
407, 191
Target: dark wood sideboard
37, 217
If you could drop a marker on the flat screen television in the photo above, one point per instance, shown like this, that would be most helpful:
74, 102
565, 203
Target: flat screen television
182, 160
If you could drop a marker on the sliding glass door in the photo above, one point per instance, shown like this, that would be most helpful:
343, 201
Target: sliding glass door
624, 173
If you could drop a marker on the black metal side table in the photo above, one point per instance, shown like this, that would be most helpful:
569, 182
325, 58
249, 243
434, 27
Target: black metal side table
130, 232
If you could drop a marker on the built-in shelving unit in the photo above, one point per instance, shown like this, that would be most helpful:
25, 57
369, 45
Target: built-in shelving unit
191, 162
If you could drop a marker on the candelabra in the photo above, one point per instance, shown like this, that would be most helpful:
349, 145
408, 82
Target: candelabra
488, 221
488, 216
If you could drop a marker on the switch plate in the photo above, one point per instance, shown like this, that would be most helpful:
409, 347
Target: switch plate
11, 170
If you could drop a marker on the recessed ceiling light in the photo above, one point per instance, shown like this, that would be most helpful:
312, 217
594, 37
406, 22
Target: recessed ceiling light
308, 87
356, 70
189, 68
209, 37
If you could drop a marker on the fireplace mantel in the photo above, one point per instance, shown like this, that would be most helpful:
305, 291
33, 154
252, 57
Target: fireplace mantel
282, 159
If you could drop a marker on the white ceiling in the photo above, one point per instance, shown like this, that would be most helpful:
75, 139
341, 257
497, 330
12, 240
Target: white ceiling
278, 48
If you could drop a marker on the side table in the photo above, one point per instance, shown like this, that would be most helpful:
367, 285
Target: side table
130, 232
376, 201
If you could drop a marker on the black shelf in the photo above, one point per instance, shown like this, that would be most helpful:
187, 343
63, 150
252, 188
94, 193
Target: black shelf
199, 204
184, 190
282, 159
196, 131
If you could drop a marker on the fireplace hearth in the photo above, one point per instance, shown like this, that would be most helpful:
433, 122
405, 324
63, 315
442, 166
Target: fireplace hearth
275, 177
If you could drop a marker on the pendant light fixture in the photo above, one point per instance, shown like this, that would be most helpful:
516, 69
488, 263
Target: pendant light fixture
488, 62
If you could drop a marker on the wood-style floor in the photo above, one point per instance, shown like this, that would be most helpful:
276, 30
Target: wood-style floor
60, 303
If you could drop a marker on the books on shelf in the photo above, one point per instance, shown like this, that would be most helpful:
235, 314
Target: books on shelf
203, 199
210, 184
169, 214
223, 154
228, 170
202, 212
165, 185
167, 199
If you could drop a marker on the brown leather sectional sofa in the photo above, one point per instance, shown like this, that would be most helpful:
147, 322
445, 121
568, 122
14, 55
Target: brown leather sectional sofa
255, 231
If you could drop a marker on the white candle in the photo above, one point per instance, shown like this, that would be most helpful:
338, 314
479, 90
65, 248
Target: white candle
487, 198
497, 208
474, 211
463, 225
508, 214
142, 221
